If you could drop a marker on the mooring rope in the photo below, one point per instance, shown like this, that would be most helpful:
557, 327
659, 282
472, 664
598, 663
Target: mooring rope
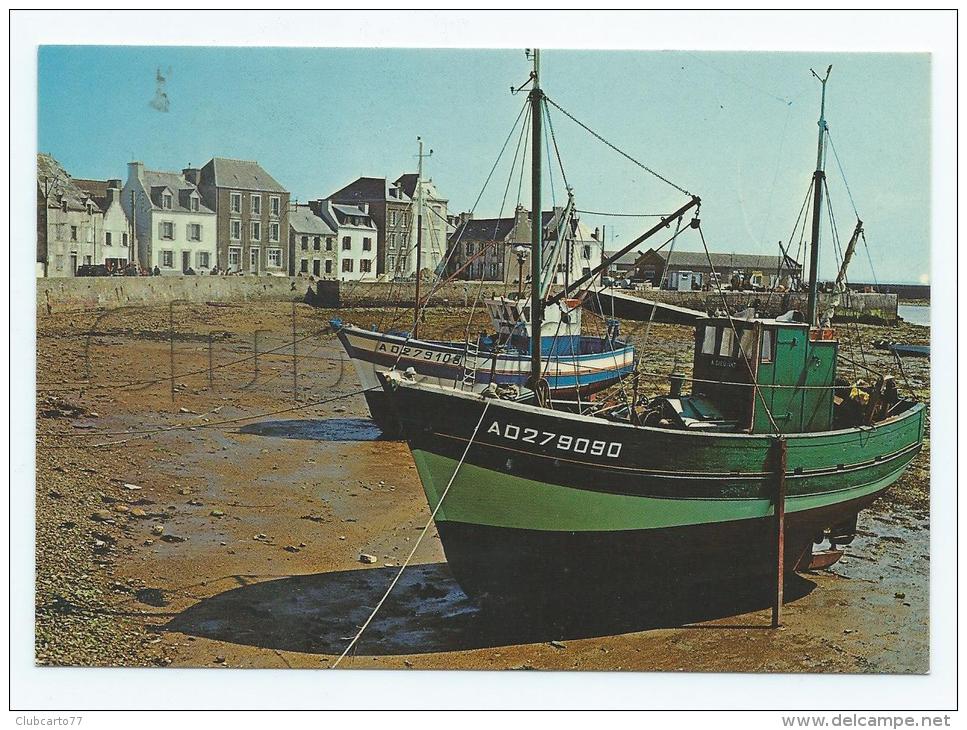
426, 528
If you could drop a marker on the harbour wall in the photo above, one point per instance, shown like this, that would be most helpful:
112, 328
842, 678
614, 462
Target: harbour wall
82, 293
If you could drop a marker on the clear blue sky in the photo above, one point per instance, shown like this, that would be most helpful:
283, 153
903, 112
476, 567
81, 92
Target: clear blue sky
718, 124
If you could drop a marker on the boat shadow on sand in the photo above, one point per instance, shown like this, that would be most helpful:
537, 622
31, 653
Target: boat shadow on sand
319, 429
427, 612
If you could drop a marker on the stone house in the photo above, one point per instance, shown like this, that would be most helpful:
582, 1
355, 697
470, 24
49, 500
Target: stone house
252, 215
68, 219
312, 244
174, 229
497, 249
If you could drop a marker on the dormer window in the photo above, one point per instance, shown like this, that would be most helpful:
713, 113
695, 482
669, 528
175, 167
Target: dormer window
193, 203
63, 206
166, 201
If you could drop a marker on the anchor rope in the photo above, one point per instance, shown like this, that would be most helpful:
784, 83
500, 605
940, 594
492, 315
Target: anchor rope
419, 539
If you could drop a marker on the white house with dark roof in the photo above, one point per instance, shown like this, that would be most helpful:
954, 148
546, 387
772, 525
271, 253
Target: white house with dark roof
174, 229
112, 238
356, 238
313, 247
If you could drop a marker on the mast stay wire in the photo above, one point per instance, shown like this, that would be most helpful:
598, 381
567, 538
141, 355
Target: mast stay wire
614, 147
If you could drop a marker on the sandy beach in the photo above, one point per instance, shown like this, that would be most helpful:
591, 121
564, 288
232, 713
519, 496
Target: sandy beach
217, 519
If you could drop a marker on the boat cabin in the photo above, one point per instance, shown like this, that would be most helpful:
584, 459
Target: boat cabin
762, 366
560, 328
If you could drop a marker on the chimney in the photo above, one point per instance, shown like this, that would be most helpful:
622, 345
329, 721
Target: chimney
136, 170
113, 192
192, 175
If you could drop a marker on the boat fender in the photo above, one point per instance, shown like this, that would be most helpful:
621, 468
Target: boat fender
409, 373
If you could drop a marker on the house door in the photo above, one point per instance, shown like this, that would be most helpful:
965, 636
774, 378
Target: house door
315, 267
254, 261
73, 264
185, 260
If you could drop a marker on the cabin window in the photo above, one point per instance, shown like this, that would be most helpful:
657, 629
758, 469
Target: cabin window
766, 346
726, 346
747, 343
708, 341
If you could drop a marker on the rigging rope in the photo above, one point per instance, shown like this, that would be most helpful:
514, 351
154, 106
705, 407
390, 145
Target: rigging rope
613, 147
426, 527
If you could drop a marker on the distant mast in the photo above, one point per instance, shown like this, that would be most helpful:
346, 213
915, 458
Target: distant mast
419, 238
819, 177
537, 315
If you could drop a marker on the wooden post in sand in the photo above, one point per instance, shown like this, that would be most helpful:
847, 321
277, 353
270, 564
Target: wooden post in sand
779, 446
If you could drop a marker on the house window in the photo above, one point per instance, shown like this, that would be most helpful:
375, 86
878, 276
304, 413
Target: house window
204, 260
347, 265
328, 267
403, 238
256, 231
367, 244
315, 267
406, 219
392, 263
235, 203
347, 244
193, 203
329, 244
586, 252
194, 231
304, 266
63, 206
316, 242
366, 265
73, 233
236, 230
87, 260
107, 238
234, 257
166, 201
305, 243
275, 204
273, 231
253, 259
275, 257
469, 249
493, 271
256, 205
60, 263
168, 259
392, 240
167, 231
392, 217
124, 239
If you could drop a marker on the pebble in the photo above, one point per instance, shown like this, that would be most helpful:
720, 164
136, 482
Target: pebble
291, 549
121, 508
101, 515
217, 513
138, 512
157, 529
132, 487
366, 558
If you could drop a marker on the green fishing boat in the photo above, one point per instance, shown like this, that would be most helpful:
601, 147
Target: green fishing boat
735, 477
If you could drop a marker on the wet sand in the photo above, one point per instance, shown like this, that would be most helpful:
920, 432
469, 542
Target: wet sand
232, 538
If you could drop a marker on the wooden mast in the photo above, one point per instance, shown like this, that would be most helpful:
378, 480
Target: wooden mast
537, 313
812, 308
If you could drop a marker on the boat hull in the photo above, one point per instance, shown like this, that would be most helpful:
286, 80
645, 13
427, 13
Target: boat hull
655, 508
442, 363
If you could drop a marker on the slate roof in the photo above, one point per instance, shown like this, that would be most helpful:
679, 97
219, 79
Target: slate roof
343, 212
628, 259
63, 186
242, 174
155, 182
696, 259
367, 190
493, 229
97, 189
303, 220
